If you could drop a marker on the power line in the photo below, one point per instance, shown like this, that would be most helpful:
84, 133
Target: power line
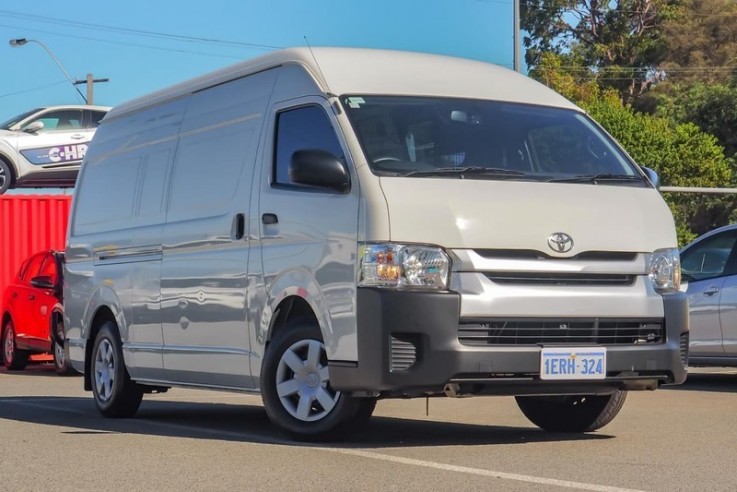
40, 87
138, 32
123, 43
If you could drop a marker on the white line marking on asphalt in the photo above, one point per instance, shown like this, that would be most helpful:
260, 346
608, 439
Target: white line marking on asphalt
479, 471
356, 452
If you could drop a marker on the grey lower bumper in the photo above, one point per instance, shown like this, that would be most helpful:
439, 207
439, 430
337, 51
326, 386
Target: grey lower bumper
429, 322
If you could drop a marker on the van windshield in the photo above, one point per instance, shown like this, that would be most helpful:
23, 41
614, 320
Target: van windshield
474, 139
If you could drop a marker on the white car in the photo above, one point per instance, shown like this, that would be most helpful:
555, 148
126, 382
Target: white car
45, 146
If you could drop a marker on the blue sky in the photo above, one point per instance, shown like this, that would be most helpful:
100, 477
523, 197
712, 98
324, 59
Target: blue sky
142, 46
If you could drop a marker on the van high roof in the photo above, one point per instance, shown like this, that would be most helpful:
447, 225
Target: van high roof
370, 71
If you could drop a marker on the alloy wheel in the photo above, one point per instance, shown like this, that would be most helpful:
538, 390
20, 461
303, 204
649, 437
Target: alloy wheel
104, 370
302, 381
9, 344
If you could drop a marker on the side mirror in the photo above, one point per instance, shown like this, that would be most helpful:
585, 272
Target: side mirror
34, 127
653, 177
42, 282
320, 169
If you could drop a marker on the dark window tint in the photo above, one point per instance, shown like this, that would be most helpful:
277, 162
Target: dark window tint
306, 128
402, 135
49, 268
34, 265
92, 118
712, 257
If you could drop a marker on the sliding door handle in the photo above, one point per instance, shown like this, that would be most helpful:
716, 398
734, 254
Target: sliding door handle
239, 226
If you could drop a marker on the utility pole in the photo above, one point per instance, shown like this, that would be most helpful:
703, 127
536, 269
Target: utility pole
516, 35
91, 81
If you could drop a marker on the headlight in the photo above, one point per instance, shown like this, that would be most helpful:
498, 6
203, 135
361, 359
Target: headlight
665, 270
403, 265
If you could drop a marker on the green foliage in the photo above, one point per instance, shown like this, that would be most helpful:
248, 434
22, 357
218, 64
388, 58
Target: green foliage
712, 107
620, 39
555, 71
701, 40
676, 60
681, 154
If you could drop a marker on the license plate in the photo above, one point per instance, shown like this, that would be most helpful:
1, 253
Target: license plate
573, 363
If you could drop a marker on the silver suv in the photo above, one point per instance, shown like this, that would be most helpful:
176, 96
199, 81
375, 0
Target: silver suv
45, 146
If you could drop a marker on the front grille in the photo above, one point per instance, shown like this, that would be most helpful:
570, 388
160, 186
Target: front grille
403, 355
537, 278
531, 254
560, 331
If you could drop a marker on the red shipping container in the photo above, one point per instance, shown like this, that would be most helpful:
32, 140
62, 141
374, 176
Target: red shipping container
29, 224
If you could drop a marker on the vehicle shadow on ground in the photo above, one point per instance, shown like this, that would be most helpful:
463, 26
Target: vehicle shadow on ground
249, 423
703, 381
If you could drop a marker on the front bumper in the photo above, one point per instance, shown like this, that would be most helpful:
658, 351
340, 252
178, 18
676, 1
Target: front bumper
388, 320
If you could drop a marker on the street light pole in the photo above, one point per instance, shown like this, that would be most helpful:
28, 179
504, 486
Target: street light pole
22, 41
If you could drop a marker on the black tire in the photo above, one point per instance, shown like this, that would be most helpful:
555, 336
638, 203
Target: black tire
574, 413
363, 415
6, 176
61, 360
61, 356
319, 423
13, 359
115, 394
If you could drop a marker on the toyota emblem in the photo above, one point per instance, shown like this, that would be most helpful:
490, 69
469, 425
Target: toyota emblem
560, 242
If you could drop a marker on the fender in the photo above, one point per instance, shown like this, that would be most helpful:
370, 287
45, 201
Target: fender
300, 283
103, 297
56, 336
11, 162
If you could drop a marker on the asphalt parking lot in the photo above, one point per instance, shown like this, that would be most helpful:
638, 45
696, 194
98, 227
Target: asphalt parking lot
672, 439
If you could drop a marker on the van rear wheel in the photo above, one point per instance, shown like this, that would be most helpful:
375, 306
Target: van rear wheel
116, 395
296, 391
572, 413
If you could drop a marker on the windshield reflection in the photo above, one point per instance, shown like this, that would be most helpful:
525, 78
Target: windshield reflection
473, 139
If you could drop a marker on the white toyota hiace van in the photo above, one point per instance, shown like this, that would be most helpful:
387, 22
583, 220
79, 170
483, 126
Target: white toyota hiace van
335, 226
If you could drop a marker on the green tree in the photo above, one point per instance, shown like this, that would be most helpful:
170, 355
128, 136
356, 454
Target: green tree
712, 107
619, 40
701, 40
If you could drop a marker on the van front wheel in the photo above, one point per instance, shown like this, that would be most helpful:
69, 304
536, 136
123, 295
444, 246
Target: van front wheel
295, 386
572, 413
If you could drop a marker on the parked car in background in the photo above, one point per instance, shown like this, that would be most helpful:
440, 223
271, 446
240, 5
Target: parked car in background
709, 266
45, 146
33, 316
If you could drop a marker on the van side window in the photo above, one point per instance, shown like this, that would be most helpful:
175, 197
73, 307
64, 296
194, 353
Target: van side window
305, 128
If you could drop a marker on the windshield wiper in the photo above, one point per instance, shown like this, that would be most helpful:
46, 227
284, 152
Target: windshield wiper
595, 178
461, 171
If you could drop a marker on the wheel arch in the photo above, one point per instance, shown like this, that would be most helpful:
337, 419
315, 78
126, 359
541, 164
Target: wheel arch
294, 293
11, 165
102, 315
289, 309
56, 312
5, 318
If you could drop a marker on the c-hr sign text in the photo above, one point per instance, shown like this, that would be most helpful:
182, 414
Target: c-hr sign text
54, 155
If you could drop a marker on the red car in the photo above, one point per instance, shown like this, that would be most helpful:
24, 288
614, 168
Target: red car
33, 315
